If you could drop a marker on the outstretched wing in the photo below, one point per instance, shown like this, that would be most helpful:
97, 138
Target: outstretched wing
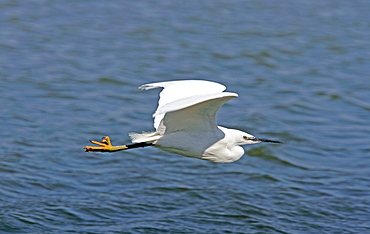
194, 114
189, 105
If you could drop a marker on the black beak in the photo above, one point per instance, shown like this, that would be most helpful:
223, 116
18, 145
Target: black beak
266, 140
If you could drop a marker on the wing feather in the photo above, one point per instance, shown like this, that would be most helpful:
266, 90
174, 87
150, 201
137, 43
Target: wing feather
188, 104
199, 115
177, 90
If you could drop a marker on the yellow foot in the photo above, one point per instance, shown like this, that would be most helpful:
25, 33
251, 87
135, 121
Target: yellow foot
105, 145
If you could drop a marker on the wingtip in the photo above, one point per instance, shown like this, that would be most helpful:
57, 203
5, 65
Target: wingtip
230, 94
149, 86
143, 87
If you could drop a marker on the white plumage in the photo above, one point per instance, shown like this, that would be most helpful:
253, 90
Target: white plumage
185, 123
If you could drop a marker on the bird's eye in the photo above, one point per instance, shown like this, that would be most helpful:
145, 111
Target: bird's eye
245, 138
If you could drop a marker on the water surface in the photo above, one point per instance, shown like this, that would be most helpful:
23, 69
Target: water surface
69, 72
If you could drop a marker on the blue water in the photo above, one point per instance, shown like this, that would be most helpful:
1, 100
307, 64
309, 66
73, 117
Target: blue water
69, 72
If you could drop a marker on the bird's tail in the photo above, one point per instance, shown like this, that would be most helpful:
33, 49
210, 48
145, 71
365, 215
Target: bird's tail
149, 137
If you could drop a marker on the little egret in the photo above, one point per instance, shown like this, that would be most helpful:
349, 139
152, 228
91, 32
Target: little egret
185, 123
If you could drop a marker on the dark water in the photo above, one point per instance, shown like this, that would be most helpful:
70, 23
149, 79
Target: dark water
69, 72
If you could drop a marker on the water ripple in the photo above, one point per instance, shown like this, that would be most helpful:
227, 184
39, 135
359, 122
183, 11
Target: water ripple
70, 71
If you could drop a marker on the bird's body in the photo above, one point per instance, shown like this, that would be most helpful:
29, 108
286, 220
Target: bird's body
185, 123
215, 146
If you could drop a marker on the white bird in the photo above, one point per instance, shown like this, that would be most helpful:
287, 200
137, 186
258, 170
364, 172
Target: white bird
185, 123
